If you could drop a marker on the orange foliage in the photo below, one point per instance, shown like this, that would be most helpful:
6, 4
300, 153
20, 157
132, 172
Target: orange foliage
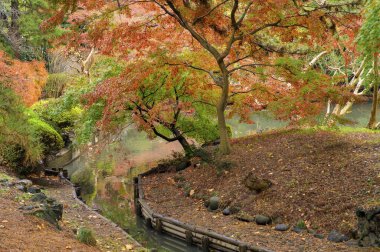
26, 79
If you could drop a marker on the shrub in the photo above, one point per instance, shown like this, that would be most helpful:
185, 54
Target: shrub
19, 145
56, 113
50, 139
55, 85
86, 236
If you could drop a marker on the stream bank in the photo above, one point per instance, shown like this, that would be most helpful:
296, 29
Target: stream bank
316, 181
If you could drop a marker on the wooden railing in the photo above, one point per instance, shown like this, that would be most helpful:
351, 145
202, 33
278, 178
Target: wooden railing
206, 239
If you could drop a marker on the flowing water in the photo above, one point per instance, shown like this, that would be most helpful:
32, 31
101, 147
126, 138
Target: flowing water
114, 165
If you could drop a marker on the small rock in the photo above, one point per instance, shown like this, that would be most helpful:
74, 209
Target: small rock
335, 236
214, 203
281, 227
34, 189
226, 211
262, 220
22, 188
38, 197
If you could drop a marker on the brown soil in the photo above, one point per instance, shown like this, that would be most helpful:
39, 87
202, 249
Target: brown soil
23, 232
318, 177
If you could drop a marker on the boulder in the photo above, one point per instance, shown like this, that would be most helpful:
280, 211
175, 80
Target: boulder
50, 210
262, 220
255, 184
38, 197
281, 227
335, 236
34, 190
214, 203
369, 226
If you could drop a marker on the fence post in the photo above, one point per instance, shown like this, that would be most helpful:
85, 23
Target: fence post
159, 225
148, 222
205, 244
243, 248
189, 237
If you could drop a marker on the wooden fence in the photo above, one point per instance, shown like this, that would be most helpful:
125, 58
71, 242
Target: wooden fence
206, 239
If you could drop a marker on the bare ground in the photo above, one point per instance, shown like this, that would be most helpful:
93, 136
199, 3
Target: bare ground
23, 232
318, 177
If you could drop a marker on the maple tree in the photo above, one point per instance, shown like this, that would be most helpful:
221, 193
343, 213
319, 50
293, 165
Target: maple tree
164, 101
25, 78
235, 42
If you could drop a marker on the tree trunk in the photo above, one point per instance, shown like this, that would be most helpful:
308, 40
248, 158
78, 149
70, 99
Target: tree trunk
224, 147
372, 120
183, 141
185, 145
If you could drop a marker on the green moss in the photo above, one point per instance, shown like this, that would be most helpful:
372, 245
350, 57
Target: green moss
48, 136
85, 178
86, 236
5, 176
301, 224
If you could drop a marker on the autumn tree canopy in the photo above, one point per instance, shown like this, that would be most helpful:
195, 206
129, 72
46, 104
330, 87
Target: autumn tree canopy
236, 43
25, 78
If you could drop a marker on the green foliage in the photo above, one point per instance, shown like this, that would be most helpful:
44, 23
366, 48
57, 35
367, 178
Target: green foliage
50, 139
369, 35
86, 236
33, 42
301, 224
105, 166
55, 113
202, 125
85, 178
19, 143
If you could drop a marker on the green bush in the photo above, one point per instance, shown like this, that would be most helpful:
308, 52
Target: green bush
86, 236
19, 144
50, 139
55, 113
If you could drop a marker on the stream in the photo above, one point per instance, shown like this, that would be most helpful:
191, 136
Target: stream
133, 153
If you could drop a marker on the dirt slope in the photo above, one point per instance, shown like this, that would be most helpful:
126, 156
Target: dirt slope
318, 177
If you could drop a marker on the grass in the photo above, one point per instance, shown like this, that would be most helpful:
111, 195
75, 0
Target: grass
86, 236
348, 130
23, 197
5, 176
